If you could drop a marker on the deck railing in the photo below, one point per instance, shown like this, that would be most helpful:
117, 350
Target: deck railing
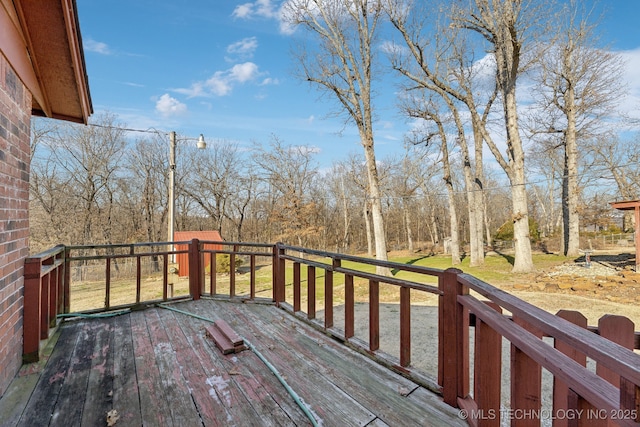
596, 376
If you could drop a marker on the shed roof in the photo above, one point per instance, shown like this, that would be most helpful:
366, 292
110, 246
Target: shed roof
627, 205
42, 42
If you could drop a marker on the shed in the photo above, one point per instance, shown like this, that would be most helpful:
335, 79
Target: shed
183, 258
632, 205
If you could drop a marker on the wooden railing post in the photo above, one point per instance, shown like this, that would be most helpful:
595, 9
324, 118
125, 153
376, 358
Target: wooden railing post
620, 330
32, 310
279, 271
526, 380
565, 399
487, 371
67, 281
232, 271
453, 339
195, 269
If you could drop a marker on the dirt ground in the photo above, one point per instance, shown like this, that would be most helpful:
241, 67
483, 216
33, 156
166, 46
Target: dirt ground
608, 285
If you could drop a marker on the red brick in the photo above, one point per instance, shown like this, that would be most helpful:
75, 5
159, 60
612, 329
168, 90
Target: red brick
15, 112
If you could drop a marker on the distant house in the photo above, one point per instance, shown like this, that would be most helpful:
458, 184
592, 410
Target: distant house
42, 72
184, 236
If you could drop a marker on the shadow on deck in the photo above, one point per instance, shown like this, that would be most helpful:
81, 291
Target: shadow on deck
158, 367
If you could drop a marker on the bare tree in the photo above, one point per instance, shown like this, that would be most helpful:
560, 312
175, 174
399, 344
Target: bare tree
343, 65
506, 27
147, 196
290, 172
578, 84
213, 179
441, 63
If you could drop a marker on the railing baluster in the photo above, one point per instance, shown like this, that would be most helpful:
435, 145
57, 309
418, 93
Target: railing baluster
349, 315
526, 380
107, 294
67, 281
296, 287
328, 299
44, 306
311, 292
374, 315
138, 278
565, 399
232, 272
487, 378
213, 273
252, 278
405, 326
620, 330
165, 276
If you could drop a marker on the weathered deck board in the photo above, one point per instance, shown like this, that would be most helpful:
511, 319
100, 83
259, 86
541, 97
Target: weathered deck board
125, 385
303, 375
52, 380
99, 399
157, 367
377, 389
232, 381
152, 393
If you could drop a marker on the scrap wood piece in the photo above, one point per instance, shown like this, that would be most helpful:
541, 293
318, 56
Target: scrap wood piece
225, 338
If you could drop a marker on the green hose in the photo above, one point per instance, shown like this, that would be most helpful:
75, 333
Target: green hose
93, 315
272, 368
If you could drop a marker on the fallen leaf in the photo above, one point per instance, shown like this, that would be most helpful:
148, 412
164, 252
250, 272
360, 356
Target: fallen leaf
404, 391
112, 417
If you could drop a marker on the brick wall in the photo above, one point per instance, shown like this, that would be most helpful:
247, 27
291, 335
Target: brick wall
15, 116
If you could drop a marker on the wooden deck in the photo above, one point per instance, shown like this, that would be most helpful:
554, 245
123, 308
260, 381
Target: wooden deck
157, 367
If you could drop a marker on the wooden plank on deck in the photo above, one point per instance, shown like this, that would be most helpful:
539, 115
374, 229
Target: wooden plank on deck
125, 386
378, 389
179, 401
154, 408
263, 399
99, 394
69, 406
42, 402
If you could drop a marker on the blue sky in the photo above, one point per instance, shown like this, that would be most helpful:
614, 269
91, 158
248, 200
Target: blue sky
223, 68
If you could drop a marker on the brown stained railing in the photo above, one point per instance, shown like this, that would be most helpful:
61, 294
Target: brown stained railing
332, 263
44, 298
608, 396
252, 251
561, 344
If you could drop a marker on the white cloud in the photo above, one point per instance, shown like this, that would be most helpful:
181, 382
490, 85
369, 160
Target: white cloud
244, 48
168, 106
269, 81
630, 104
264, 9
243, 72
91, 45
221, 83
259, 8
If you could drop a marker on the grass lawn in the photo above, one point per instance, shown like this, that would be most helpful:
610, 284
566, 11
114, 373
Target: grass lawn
496, 271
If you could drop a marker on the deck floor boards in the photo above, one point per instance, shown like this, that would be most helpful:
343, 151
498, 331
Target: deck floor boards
158, 368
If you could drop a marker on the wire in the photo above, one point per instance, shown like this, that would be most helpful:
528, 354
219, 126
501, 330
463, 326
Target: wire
272, 368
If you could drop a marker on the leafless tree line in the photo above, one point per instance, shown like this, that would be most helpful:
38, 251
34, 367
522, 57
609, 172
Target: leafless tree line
461, 67
90, 186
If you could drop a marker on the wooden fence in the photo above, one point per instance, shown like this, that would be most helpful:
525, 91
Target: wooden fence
606, 394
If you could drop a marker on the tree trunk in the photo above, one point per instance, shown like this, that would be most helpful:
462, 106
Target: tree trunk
379, 235
367, 226
407, 219
570, 181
